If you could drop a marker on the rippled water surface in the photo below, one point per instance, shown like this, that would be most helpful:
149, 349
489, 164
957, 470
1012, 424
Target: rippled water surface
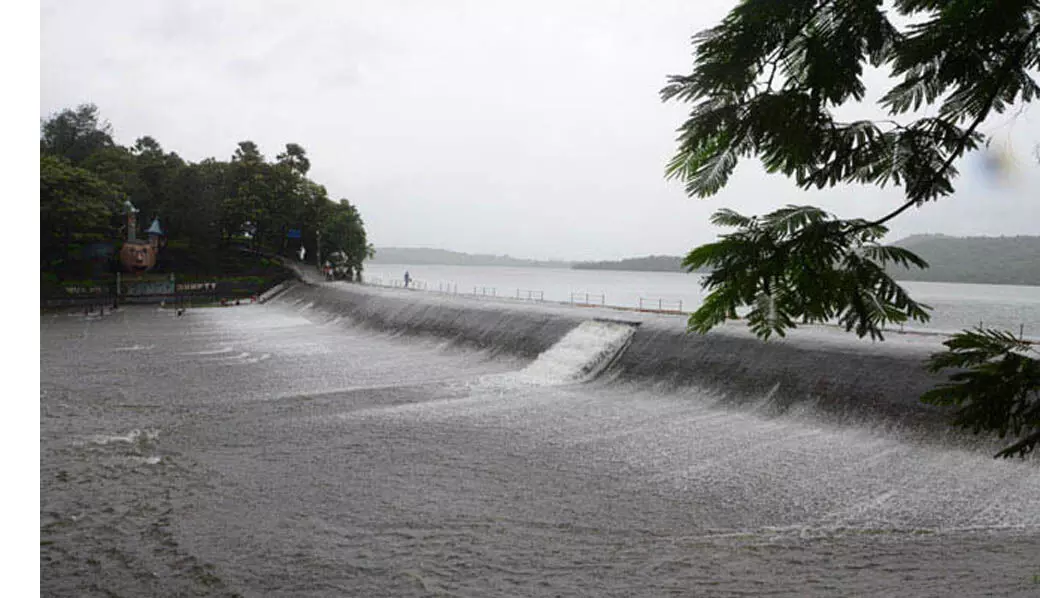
255, 451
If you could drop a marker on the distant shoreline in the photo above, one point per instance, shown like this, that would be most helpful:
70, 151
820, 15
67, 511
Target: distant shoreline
1013, 261
898, 279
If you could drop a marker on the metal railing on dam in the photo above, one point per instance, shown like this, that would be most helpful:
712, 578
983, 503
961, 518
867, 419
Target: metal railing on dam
578, 298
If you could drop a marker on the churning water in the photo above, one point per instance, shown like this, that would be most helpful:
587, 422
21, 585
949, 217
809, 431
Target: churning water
582, 354
357, 442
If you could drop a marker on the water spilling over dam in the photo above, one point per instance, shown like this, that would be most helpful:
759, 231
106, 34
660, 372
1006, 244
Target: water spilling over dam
836, 376
347, 441
582, 354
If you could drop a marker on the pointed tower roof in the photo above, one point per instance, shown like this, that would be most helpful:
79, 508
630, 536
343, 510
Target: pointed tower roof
155, 229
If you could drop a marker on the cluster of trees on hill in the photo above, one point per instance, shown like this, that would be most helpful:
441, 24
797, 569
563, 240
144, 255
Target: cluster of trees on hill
981, 260
650, 263
426, 255
990, 260
206, 207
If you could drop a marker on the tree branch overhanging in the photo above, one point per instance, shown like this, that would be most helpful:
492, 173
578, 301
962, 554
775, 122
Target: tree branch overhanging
799, 264
1006, 68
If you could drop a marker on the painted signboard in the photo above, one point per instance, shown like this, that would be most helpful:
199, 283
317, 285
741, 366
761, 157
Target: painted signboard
139, 289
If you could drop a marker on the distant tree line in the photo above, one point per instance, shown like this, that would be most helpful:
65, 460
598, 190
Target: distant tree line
650, 263
989, 260
207, 208
428, 256
981, 260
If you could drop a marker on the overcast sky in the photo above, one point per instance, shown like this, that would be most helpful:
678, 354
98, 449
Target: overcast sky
529, 128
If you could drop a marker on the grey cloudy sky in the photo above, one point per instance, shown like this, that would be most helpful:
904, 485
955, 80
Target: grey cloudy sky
530, 128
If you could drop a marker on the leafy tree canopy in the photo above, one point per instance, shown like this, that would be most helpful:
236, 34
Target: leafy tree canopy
205, 207
75, 134
996, 386
343, 237
75, 207
767, 81
788, 267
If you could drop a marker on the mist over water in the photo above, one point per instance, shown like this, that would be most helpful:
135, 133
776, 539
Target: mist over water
318, 447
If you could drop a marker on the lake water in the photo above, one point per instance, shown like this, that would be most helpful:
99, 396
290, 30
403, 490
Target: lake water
955, 306
279, 450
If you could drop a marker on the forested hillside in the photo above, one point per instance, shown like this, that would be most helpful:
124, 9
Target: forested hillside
991, 260
984, 260
426, 255
650, 263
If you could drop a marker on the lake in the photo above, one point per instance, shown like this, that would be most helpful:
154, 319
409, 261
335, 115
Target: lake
955, 306
291, 449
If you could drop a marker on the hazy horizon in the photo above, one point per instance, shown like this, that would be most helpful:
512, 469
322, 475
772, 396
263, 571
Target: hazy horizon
530, 129
566, 260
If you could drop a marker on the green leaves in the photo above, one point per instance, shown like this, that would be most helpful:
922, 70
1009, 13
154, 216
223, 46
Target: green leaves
84, 177
75, 207
707, 169
343, 237
764, 82
972, 57
996, 387
75, 134
800, 264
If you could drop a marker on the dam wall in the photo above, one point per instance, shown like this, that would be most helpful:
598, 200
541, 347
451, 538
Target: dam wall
818, 369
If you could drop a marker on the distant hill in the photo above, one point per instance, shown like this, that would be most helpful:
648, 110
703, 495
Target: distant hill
650, 263
984, 260
429, 256
987, 260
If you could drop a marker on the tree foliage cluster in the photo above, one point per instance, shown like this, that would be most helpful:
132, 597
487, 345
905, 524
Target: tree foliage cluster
209, 206
768, 81
789, 266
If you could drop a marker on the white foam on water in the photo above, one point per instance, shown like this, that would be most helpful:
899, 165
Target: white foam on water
131, 437
220, 351
135, 348
258, 359
226, 358
579, 356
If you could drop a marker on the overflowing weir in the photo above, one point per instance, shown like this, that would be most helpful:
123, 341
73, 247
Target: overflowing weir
583, 353
823, 371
